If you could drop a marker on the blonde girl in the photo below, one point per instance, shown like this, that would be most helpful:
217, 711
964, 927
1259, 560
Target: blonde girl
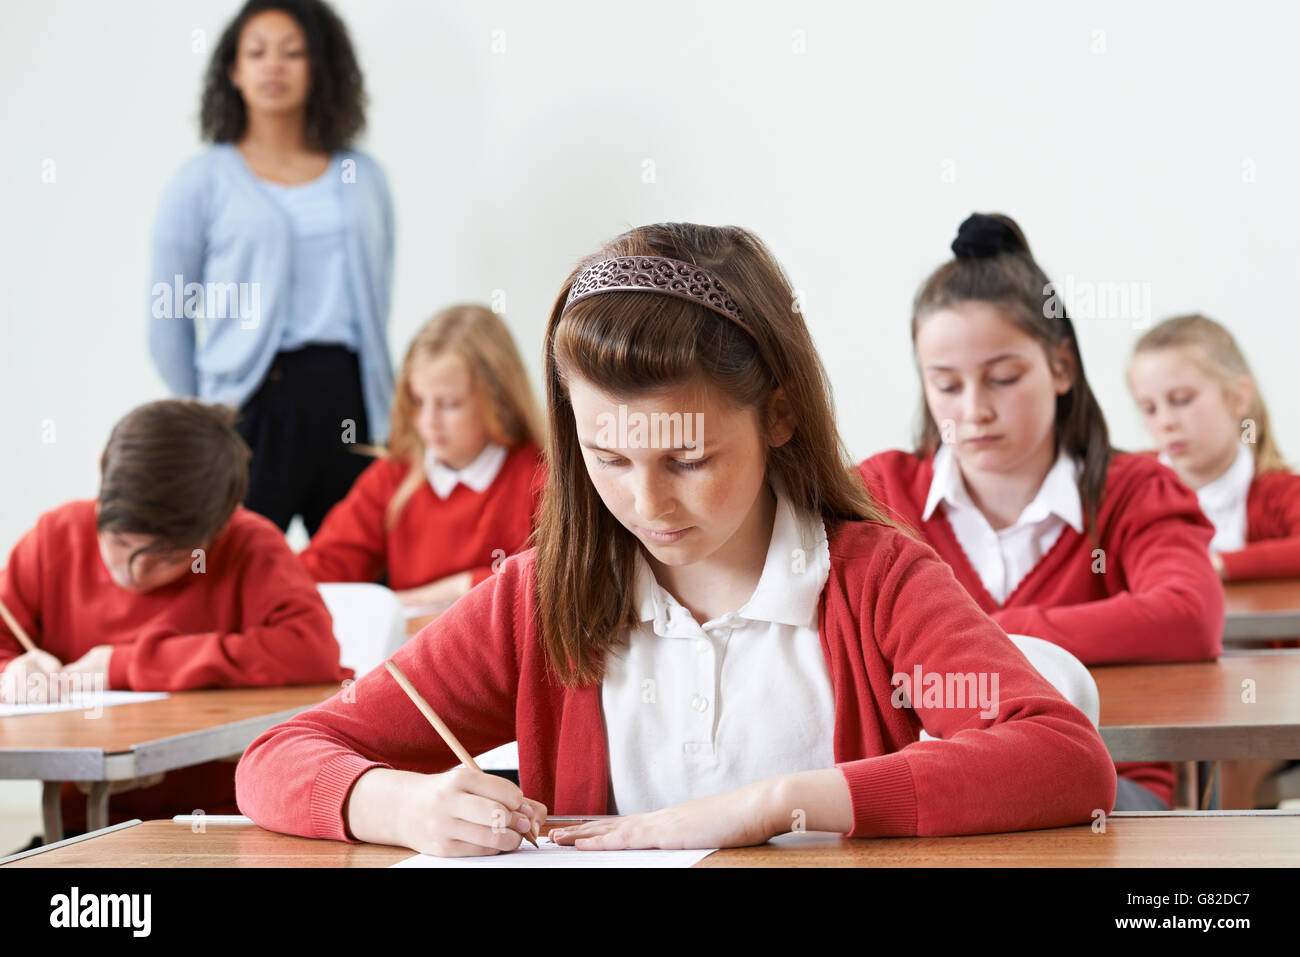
458, 487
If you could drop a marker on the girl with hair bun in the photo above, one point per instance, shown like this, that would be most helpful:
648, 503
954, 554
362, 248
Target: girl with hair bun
1014, 483
710, 635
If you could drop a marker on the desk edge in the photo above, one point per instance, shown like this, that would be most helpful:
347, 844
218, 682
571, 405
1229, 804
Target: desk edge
65, 842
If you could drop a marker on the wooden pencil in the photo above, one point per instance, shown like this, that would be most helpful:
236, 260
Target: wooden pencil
432, 716
23, 638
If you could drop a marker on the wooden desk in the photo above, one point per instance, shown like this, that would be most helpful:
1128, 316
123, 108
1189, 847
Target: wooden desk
413, 625
1195, 712
1137, 839
1255, 611
131, 741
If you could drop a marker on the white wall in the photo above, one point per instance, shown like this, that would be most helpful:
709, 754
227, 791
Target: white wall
1115, 133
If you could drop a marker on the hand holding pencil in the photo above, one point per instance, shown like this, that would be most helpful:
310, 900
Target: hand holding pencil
16, 684
457, 748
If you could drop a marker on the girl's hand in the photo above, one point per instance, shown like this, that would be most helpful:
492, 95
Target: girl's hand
464, 813
443, 590
1217, 561
14, 683
732, 819
90, 671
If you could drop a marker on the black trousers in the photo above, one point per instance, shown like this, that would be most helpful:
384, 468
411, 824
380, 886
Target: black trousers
303, 424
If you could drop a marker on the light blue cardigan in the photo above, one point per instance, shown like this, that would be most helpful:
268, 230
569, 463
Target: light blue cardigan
216, 227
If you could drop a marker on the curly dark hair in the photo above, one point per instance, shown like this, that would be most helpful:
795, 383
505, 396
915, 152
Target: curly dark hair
336, 103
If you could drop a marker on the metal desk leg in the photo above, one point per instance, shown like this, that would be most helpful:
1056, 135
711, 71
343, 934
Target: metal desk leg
1191, 797
52, 810
1208, 785
97, 806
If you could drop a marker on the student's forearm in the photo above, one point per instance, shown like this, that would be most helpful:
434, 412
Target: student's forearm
373, 812
445, 589
297, 649
811, 801
1276, 558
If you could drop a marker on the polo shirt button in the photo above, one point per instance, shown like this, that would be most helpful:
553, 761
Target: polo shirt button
702, 646
700, 703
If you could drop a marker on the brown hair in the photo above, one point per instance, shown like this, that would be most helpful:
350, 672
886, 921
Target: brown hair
174, 469
993, 265
483, 342
1221, 358
633, 344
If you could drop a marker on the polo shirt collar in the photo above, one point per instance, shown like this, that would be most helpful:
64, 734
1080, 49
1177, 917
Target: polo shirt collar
478, 475
1231, 488
789, 588
1058, 495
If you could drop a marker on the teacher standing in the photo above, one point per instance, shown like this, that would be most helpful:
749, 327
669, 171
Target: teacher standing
272, 259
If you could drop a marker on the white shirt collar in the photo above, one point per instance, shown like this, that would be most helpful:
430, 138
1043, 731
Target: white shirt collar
789, 587
1228, 490
478, 475
1057, 495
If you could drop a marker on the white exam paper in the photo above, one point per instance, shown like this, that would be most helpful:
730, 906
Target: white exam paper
82, 701
550, 854
419, 611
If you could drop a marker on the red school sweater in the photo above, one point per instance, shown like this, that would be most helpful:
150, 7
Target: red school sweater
253, 619
1272, 548
890, 606
433, 537
1158, 599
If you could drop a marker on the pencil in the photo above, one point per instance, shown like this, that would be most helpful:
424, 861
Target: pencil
17, 629
443, 730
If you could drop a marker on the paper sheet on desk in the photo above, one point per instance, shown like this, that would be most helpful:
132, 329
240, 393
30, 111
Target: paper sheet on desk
419, 611
82, 701
550, 854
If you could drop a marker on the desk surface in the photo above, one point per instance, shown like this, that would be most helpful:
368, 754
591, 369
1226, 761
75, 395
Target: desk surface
1262, 609
1196, 712
1257, 839
66, 745
1168, 712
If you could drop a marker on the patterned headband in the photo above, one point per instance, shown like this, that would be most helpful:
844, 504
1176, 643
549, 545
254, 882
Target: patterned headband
670, 277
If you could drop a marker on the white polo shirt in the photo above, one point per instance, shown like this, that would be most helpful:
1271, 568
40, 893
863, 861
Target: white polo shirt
692, 710
1004, 557
1224, 501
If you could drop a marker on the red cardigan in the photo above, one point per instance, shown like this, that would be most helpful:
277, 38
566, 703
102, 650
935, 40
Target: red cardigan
889, 606
1159, 598
252, 619
1272, 547
433, 537
1272, 530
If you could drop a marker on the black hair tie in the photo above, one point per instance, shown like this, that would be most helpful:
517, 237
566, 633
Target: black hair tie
980, 237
